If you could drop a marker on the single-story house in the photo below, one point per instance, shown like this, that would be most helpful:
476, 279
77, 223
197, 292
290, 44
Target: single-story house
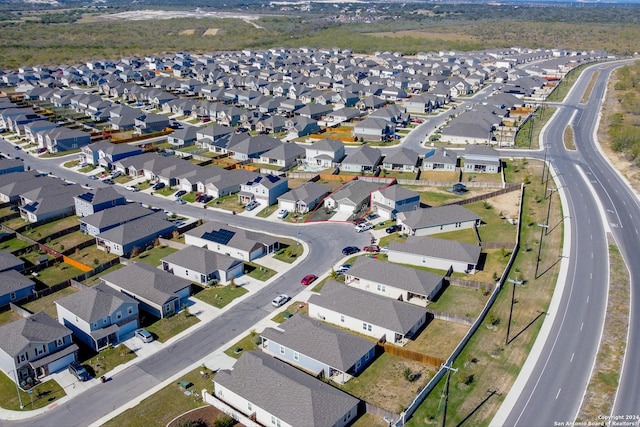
139, 233
158, 292
202, 265
325, 153
427, 221
276, 394
98, 315
369, 314
332, 353
14, 287
304, 198
34, 347
403, 160
440, 159
482, 158
394, 281
436, 253
285, 155
363, 159
236, 242
391, 200
351, 197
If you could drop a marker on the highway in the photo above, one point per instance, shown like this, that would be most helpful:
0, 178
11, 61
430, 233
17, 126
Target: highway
557, 383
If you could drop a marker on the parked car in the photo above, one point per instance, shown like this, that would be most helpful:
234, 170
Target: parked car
180, 193
17, 147
350, 250
108, 181
280, 300
359, 221
115, 174
206, 199
393, 228
251, 205
158, 186
180, 201
132, 188
363, 227
144, 335
308, 279
372, 249
343, 269
372, 216
79, 371
282, 213
93, 177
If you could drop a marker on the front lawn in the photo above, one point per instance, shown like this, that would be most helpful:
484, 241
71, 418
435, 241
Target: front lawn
258, 272
248, 343
289, 251
47, 303
107, 359
267, 211
230, 203
220, 296
153, 256
297, 307
168, 327
43, 395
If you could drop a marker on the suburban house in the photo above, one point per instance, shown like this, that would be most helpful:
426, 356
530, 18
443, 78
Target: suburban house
105, 153
14, 184
274, 393
440, 159
99, 316
31, 129
14, 287
158, 292
369, 314
226, 183
436, 253
202, 265
34, 347
283, 156
183, 137
97, 200
263, 188
46, 203
109, 218
150, 122
363, 159
394, 281
332, 353
481, 158
427, 221
391, 200
372, 129
231, 241
252, 147
326, 153
403, 160
352, 197
63, 139
304, 198
10, 165
139, 233
9, 261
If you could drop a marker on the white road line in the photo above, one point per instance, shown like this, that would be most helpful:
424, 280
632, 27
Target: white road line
590, 276
572, 354
587, 299
581, 325
558, 394
591, 237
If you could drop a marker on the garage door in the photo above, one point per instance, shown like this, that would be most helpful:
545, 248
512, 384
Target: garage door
61, 363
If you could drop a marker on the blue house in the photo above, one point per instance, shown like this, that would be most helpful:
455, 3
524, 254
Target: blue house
97, 200
14, 287
332, 353
9, 261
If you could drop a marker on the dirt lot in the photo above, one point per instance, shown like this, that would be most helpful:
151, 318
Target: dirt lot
508, 204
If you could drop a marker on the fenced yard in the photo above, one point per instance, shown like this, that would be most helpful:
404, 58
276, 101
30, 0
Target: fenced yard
47, 303
460, 301
438, 338
42, 231
58, 273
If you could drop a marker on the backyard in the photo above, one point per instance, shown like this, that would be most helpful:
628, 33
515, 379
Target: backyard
42, 231
57, 273
154, 255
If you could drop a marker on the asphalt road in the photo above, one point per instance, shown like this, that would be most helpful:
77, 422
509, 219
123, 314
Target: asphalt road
556, 385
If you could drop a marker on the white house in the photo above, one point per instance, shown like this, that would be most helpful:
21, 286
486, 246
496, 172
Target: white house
441, 219
441, 254
391, 200
202, 265
325, 153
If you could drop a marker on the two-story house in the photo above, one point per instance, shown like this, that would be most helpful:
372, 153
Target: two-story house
264, 188
97, 200
391, 200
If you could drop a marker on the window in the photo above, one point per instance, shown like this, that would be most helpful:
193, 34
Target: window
40, 350
342, 318
281, 349
118, 316
105, 320
12, 296
296, 355
22, 357
382, 288
130, 310
249, 406
366, 357
60, 342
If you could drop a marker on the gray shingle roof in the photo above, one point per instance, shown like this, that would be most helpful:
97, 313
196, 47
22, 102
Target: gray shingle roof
364, 155
385, 312
438, 248
291, 395
9, 261
331, 346
398, 276
101, 195
118, 215
441, 215
149, 283
307, 192
397, 193
238, 237
201, 260
132, 231
441, 155
39, 328
404, 156
12, 281
94, 303
285, 151
356, 191
327, 144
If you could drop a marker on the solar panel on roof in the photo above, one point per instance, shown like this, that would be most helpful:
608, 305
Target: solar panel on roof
221, 236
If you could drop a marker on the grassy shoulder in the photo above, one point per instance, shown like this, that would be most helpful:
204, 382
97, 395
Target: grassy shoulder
604, 382
567, 138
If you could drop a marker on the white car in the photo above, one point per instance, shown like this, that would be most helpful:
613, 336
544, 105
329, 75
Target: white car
363, 227
282, 213
132, 188
144, 335
280, 300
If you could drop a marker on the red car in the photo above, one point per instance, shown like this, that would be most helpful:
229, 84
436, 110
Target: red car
308, 279
372, 248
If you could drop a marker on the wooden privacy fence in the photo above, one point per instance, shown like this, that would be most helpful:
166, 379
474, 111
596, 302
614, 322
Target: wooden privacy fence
489, 287
508, 189
450, 317
404, 353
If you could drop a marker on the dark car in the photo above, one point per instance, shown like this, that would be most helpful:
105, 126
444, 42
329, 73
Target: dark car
350, 250
359, 221
79, 371
206, 199
158, 186
180, 193
393, 228
108, 181
372, 248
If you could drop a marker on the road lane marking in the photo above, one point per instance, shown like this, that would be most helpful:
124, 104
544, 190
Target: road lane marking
558, 394
572, 354
590, 276
587, 299
581, 325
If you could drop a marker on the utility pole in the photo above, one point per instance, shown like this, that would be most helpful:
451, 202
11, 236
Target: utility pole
15, 375
513, 295
446, 391
543, 227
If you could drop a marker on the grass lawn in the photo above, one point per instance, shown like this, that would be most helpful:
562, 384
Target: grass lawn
220, 296
87, 169
289, 251
43, 394
297, 307
47, 303
339, 278
15, 223
13, 245
443, 176
89, 254
33, 255
8, 317
122, 179
465, 236
165, 191
44, 230
398, 175
143, 185
58, 273
60, 153
69, 240
94, 280
369, 420
383, 384
439, 338
436, 196
267, 211
395, 237
248, 343
71, 163
168, 327
107, 359
7, 211
494, 229
190, 197
480, 177
229, 203
460, 300
171, 399
258, 272
153, 256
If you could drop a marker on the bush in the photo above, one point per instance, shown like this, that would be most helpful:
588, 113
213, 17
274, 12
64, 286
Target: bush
225, 421
408, 374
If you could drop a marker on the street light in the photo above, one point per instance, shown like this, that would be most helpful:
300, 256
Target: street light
543, 227
15, 375
513, 295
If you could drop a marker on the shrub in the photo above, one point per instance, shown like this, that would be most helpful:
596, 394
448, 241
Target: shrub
225, 421
408, 374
